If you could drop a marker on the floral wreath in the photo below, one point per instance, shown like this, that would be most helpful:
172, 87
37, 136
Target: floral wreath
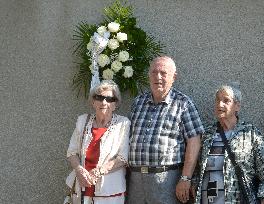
115, 50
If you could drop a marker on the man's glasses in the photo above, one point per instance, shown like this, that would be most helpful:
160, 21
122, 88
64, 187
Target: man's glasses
108, 99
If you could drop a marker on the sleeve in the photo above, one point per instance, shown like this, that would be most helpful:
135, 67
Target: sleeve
75, 145
192, 124
259, 153
124, 140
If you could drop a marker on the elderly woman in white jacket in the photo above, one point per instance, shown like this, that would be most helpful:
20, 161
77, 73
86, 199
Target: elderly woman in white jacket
98, 149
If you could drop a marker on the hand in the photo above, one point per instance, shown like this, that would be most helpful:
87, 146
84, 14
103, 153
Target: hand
193, 192
262, 201
95, 174
83, 177
105, 168
182, 190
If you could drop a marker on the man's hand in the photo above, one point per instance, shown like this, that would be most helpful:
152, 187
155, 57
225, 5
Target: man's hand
182, 191
193, 192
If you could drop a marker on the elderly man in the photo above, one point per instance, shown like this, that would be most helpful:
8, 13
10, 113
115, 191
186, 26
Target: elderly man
165, 140
232, 157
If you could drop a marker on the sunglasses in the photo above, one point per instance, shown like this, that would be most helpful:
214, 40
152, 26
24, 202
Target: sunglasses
108, 99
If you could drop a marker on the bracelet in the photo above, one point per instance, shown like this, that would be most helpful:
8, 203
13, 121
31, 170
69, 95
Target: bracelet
100, 172
185, 178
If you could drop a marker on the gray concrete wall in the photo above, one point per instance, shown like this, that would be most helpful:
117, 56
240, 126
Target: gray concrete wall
212, 41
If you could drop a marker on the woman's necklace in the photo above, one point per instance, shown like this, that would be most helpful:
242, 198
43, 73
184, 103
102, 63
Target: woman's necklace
101, 125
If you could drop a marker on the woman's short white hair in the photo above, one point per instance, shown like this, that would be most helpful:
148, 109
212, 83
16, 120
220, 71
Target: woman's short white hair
106, 85
235, 91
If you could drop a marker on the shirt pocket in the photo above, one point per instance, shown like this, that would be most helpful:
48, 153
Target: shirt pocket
170, 127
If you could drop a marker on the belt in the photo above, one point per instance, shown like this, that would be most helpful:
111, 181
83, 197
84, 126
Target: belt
155, 169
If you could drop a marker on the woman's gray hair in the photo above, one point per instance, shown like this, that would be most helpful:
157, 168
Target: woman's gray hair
235, 91
106, 85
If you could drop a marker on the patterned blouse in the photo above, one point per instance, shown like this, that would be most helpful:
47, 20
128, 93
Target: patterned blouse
248, 145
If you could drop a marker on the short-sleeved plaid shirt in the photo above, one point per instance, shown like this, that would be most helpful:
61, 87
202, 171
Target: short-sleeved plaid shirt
159, 131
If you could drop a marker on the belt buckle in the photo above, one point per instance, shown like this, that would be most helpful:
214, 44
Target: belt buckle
144, 170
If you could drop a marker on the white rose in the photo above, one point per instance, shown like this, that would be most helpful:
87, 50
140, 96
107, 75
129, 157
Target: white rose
123, 56
103, 60
116, 66
89, 46
128, 72
108, 74
113, 27
101, 30
113, 44
91, 69
121, 36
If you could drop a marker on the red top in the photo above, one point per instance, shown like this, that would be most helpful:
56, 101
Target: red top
92, 155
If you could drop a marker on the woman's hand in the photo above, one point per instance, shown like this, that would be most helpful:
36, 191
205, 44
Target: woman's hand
113, 165
104, 169
95, 174
83, 177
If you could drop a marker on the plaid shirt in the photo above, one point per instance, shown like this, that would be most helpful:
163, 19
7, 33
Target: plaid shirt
159, 131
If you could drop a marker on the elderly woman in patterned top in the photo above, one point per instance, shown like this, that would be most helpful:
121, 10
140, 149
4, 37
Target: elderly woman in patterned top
227, 144
98, 149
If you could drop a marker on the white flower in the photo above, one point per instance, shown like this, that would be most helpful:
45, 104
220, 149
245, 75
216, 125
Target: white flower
89, 46
121, 36
116, 66
103, 60
101, 30
113, 44
128, 72
123, 56
108, 74
92, 69
113, 27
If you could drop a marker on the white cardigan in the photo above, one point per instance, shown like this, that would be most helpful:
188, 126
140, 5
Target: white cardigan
113, 143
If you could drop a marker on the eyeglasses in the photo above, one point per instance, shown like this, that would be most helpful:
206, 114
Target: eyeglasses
108, 99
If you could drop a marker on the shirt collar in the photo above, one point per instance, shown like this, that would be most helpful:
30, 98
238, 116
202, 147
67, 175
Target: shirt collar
167, 99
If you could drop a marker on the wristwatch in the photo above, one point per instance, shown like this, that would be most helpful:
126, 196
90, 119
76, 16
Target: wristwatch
185, 178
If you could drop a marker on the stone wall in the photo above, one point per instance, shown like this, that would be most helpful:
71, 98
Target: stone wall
212, 42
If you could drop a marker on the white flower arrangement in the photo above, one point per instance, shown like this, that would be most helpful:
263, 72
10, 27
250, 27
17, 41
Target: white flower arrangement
116, 49
100, 39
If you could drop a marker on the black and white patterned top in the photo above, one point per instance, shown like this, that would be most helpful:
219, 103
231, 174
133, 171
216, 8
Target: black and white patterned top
247, 143
213, 180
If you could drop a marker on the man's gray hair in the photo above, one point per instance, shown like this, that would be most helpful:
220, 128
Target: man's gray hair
235, 91
167, 59
106, 85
